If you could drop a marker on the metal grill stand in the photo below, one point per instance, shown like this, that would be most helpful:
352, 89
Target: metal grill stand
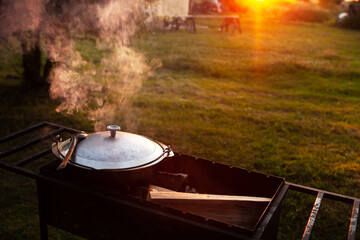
76, 207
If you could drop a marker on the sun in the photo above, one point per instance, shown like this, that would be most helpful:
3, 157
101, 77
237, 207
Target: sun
256, 3
263, 3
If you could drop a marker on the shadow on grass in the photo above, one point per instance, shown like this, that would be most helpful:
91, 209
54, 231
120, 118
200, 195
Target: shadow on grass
22, 107
293, 68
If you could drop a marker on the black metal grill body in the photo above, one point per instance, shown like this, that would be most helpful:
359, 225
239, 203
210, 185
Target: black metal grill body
97, 212
116, 213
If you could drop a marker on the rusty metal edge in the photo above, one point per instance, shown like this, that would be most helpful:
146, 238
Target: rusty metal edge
312, 217
275, 204
353, 220
327, 194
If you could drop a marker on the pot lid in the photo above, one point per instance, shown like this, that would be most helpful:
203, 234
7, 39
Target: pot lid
121, 151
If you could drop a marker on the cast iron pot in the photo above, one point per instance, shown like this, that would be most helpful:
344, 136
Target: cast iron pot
123, 159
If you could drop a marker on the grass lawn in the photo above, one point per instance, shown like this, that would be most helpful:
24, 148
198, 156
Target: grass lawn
283, 99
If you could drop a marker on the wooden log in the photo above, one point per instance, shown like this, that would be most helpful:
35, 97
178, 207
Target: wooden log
242, 211
157, 192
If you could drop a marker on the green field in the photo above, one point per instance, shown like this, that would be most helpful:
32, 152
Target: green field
283, 99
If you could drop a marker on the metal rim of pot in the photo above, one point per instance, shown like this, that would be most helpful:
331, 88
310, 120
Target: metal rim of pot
62, 148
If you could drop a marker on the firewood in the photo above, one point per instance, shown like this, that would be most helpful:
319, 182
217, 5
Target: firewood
242, 211
157, 192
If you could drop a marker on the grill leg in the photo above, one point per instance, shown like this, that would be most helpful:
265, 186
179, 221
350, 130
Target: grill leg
43, 231
42, 216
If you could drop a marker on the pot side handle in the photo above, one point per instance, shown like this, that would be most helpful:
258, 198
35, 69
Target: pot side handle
73, 142
167, 152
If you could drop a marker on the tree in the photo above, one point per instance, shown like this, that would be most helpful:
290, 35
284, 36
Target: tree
23, 19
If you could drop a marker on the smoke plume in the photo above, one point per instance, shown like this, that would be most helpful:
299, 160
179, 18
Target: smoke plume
101, 89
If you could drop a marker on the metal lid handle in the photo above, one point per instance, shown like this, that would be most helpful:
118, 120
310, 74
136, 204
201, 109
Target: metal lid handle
113, 129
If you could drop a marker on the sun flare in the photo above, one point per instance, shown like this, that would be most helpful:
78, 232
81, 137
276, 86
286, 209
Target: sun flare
263, 3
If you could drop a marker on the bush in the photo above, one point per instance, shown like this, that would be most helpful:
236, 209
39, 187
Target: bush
305, 12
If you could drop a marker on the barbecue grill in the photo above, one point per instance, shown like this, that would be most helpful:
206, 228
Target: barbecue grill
75, 203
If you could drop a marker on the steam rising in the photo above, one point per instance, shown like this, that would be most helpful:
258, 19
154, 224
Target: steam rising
101, 89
